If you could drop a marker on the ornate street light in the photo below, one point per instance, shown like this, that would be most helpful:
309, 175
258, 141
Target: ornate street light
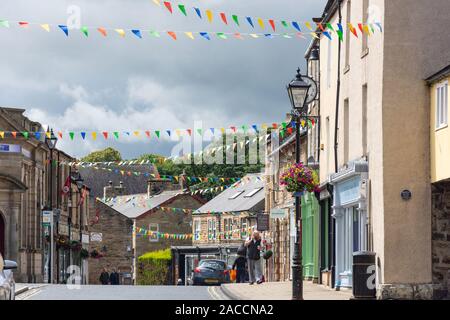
302, 90
50, 141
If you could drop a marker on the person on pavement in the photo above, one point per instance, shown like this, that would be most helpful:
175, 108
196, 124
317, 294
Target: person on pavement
253, 258
114, 277
104, 277
239, 266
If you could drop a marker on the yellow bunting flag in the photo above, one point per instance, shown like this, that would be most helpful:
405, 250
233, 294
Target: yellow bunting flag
366, 29
308, 25
94, 135
2, 134
46, 27
121, 32
136, 133
314, 35
48, 134
190, 35
253, 35
209, 14
261, 23
157, 2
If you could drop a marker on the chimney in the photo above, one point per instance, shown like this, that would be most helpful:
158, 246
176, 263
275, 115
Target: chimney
108, 190
182, 180
153, 187
119, 190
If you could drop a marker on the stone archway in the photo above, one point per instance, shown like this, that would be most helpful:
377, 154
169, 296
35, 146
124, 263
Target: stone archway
2, 235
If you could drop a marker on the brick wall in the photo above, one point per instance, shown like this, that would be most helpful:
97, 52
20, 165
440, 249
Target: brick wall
116, 231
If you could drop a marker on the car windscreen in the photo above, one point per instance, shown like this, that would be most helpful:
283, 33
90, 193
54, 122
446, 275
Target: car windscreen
216, 265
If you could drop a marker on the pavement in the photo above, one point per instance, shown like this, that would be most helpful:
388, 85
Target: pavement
281, 291
99, 292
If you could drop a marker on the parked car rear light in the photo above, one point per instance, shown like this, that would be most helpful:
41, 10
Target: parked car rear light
225, 271
197, 270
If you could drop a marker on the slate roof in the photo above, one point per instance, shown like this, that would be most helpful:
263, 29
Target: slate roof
131, 206
223, 203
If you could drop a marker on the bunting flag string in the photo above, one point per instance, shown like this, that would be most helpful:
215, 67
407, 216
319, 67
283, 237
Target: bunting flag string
275, 24
138, 33
141, 231
155, 134
170, 177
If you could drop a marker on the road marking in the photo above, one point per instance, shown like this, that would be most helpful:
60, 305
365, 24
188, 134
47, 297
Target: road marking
28, 294
214, 293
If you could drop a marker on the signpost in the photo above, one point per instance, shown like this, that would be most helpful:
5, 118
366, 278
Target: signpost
47, 222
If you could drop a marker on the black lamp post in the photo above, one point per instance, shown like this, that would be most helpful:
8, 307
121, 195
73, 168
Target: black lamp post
79, 181
300, 96
50, 141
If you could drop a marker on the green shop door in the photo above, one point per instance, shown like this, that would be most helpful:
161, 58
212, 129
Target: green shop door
310, 236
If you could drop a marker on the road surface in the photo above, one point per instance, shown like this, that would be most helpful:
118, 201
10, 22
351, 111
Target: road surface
98, 292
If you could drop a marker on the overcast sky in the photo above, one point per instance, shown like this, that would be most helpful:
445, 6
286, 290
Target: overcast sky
117, 84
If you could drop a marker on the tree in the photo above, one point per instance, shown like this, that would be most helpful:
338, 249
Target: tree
108, 154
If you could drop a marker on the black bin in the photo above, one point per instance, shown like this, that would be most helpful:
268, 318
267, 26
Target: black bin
363, 269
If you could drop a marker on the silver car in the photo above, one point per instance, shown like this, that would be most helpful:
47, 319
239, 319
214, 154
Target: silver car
7, 284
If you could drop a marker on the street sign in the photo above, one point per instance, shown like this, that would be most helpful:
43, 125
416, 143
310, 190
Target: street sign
262, 222
47, 218
96, 237
276, 213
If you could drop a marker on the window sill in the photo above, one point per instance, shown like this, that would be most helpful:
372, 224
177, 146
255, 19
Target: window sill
364, 53
441, 128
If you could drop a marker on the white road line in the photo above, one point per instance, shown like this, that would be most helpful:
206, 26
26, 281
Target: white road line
213, 292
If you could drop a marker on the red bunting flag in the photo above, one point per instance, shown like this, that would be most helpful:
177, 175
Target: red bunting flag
172, 34
168, 6
272, 24
224, 18
23, 24
352, 30
189, 131
102, 31
60, 134
105, 134
14, 134
233, 128
274, 125
147, 133
360, 26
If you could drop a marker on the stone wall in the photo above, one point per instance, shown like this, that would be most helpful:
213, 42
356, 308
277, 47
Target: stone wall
116, 231
167, 222
441, 237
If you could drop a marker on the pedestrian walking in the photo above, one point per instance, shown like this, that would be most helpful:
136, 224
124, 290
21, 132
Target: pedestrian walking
114, 277
253, 258
104, 277
239, 265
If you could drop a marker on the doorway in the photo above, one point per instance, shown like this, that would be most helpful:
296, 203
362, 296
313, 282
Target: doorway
2, 236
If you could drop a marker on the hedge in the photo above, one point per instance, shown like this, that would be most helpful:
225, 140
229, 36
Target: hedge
154, 268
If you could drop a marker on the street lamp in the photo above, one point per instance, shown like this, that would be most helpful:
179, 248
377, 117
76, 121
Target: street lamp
50, 141
300, 94
79, 181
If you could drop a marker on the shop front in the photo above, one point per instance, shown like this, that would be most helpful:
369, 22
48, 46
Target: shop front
350, 214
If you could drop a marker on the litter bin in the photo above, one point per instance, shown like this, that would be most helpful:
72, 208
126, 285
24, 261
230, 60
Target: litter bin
364, 275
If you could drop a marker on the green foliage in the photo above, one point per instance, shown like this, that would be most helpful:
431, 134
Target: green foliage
108, 154
154, 268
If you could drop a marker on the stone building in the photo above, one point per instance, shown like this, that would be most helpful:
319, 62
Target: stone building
25, 192
440, 179
379, 169
116, 236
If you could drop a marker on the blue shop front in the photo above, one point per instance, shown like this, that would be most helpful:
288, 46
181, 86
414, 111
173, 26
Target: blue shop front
350, 214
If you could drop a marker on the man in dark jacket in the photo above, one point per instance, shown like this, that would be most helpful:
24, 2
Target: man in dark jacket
114, 277
253, 255
104, 277
239, 265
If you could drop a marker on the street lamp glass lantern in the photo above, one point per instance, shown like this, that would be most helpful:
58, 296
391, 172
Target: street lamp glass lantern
298, 91
51, 139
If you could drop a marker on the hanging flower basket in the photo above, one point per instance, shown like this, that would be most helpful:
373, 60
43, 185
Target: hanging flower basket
62, 241
75, 245
299, 178
96, 255
84, 254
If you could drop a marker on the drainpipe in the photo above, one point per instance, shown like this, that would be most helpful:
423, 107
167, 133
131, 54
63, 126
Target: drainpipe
338, 91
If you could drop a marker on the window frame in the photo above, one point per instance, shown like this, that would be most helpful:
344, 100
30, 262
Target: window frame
441, 115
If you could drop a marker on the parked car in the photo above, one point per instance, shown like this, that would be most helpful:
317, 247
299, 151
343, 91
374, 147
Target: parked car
211, 272
7, 284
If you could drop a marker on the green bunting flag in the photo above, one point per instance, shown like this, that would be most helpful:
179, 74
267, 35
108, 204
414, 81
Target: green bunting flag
4, 23
116, 134
25, 134
182, 9
199, 131
85, 31
221, 35
157, 133
236, 19
71, 135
